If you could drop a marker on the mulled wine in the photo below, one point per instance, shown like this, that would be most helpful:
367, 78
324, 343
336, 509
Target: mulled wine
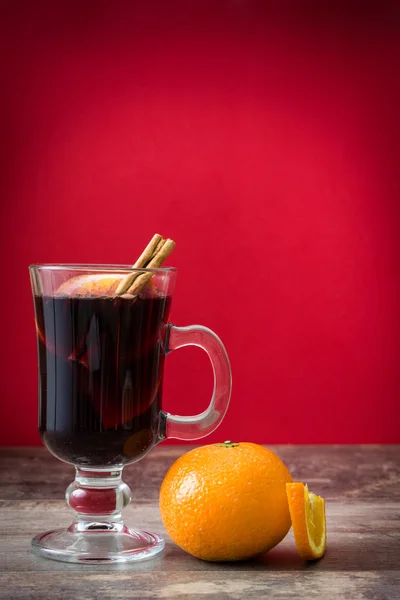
101, 362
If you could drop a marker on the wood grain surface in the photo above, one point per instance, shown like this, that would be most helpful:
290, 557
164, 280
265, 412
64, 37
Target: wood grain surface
361, 485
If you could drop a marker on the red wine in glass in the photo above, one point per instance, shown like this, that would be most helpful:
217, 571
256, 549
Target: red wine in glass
101, 362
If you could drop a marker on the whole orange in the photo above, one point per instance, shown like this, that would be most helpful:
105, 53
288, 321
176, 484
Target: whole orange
226, 502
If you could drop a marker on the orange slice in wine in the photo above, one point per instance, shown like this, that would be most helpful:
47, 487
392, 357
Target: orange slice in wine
94, 284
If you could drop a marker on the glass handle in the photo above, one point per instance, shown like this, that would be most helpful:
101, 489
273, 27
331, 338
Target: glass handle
198, 426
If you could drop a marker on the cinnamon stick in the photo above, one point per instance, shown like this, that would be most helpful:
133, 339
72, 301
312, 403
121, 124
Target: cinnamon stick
152, 257
148, 252
141, 262
163, 252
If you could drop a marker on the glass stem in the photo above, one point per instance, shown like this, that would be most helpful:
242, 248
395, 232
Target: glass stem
97, 498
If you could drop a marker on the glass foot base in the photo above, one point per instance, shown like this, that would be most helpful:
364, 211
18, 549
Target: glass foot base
97, 546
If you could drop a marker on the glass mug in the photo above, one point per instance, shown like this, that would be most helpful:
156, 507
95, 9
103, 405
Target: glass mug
101, 364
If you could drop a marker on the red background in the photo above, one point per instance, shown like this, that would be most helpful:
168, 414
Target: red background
264, 140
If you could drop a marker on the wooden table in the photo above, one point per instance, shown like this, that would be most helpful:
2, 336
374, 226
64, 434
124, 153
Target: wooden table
361, 485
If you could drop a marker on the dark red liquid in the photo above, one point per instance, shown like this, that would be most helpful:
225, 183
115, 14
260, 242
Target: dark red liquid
101, 366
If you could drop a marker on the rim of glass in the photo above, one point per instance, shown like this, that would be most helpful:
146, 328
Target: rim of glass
98, 267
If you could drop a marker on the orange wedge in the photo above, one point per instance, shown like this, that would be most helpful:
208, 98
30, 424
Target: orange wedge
96, 284
307, 512
99, 284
